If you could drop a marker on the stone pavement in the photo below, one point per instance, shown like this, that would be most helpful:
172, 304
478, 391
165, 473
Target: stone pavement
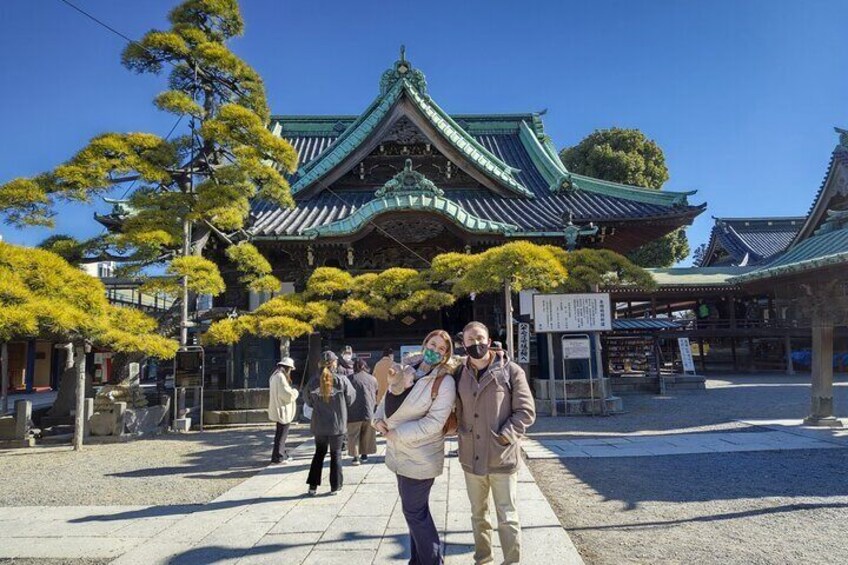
267, 519
760, 435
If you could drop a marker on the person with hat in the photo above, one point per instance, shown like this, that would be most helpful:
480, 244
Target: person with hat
282, 405
329, 394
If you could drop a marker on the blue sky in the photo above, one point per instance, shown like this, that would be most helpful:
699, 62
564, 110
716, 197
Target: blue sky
741, 96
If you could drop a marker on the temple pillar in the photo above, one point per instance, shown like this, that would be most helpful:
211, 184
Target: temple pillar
821, 405
787, 347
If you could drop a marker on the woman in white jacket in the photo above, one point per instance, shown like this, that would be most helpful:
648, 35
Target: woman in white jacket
282, 405
412, 421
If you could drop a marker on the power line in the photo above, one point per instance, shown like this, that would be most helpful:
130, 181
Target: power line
101, 23
134, 42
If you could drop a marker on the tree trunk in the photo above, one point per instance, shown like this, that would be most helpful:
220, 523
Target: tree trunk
510, 347
79, 370
4, 360
66, 395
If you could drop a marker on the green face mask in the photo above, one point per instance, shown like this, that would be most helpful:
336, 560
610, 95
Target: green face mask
431, 357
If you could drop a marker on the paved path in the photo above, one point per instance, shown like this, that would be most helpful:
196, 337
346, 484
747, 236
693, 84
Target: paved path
761, 435
267, 519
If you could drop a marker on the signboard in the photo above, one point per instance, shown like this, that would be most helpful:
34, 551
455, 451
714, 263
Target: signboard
522, 354
576, 347
563, 313
188, 368
686, 355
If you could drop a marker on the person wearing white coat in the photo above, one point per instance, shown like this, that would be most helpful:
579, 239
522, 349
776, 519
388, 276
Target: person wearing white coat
413, 424
282, 405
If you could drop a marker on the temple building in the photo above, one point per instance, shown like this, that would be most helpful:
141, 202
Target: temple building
749, 241
405, 181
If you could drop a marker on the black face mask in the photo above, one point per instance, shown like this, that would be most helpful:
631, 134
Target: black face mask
478, 350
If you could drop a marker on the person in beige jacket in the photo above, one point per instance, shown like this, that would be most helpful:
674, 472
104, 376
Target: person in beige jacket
412, 419
494, 408
282, 405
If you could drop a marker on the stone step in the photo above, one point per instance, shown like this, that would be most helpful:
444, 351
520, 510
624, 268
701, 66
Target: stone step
581, 406
229, 417
236, 399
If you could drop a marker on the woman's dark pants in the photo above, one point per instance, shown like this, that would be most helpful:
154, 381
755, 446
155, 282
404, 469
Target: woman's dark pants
424, 538
280, 452
322, 445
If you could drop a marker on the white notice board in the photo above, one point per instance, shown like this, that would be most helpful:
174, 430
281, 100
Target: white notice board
686, 355
576, 347
572, 313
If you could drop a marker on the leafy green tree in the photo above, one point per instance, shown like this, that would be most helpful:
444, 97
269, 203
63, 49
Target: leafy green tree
187, 188
627, 156
42, 296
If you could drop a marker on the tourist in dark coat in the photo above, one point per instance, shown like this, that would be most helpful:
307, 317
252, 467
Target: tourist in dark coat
329, 395
361, 436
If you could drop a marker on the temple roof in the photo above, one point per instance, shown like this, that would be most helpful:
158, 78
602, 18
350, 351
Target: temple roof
749, 241
822, 241
828, 247
520, 181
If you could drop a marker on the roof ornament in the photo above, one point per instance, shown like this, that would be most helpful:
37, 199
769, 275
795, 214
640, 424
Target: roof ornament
843, 137
406, 181
574, 232
835, 220
403, 70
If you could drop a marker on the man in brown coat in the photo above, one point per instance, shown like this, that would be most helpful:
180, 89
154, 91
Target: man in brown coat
494, 408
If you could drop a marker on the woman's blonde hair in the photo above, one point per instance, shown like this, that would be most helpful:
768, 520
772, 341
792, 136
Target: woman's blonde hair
326, 382
445, 364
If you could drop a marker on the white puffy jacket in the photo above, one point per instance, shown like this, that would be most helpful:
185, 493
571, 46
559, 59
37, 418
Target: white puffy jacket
281, 398
418, 450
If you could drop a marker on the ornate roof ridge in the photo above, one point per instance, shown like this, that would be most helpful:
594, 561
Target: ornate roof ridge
403, 79
638, 193
759, 219
409, 201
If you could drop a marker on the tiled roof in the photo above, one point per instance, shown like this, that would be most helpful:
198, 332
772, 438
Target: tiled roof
541, 214
544, 213
756, 239
823, 250
528, 188
818, 209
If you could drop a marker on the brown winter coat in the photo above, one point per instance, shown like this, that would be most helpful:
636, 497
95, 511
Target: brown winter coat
497, 403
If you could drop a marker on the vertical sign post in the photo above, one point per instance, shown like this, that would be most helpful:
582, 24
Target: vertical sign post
686, 355
523, 352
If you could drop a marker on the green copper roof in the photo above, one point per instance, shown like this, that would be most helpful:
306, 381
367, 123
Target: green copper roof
828, 247
697, 276
551, 169
481, 157
409, 201
403, 80
639, 194
349, 139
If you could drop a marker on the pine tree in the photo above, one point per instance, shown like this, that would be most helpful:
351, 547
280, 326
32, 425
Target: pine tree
42, 296
184, 189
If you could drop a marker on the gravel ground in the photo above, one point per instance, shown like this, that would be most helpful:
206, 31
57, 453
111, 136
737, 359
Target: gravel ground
739, 508
189, 468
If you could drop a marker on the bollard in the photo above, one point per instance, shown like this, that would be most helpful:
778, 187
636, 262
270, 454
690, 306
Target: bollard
88, 412
23, 414
118, 410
